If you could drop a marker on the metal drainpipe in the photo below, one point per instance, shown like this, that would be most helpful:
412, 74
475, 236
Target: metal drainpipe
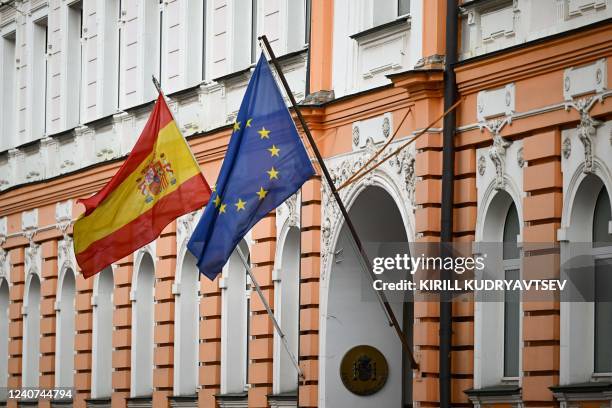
448, 164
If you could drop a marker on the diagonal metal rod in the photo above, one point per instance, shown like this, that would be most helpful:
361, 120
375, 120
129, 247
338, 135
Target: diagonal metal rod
270, 312
347, 219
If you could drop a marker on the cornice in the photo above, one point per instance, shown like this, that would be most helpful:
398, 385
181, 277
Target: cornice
530, 61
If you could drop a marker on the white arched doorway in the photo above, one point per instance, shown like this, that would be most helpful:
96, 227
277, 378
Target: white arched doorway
31, 334
64, 345
287, 310
4, 332
351, 315
102, 350
187, 328
142, 327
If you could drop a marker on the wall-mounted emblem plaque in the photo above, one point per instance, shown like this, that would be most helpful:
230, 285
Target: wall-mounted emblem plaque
364, 370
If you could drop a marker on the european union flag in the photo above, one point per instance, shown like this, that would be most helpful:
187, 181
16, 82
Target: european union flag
265, 164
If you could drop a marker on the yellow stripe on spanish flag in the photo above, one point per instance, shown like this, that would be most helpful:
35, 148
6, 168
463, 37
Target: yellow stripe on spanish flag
159, 181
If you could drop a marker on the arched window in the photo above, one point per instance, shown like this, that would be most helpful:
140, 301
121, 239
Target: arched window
235, 325
102, 370
497, 316
602, 248
512, 310
64, 358
187, 325
288, 313
142, 328
4, 332
31, 335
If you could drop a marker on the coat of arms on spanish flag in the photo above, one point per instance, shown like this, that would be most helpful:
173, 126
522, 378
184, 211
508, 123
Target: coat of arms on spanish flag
158, 182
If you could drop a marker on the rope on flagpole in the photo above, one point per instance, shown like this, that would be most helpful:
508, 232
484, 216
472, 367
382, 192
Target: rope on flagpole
387, 143
270, 313
362, 172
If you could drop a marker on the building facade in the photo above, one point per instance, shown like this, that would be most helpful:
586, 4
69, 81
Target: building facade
533, 164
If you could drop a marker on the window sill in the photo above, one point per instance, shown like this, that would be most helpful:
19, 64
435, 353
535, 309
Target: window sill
496, 394
589, 391
403, 20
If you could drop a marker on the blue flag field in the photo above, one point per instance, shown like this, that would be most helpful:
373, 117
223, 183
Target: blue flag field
265, 164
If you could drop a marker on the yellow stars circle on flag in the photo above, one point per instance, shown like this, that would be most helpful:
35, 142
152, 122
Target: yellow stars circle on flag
274, 151
262, 193
248, 122
214, 188
273, 173
217, 201
236, 126
264, 133
222, 208
240, 205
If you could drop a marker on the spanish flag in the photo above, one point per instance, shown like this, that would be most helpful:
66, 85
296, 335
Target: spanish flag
158, 182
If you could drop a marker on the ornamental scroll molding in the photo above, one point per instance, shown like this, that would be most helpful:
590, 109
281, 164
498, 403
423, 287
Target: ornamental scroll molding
292, 206
587, 127
497, 151
398, 171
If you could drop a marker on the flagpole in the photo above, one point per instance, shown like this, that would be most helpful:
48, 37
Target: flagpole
349, 223
269, 311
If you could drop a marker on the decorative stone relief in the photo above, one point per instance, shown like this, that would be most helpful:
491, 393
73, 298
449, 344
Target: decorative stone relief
482, 165
386, 127
292, 205
587, 128
494, 102
65, 254
400, 170
63, 216
497, 151
520, 160
374, 130
585, 79
404, 165
356, 136
567, 148
29, 223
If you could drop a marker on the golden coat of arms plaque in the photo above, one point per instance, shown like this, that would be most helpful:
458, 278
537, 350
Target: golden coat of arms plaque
364, 370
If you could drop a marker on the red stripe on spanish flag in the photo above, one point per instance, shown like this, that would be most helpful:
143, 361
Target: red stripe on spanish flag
159, 181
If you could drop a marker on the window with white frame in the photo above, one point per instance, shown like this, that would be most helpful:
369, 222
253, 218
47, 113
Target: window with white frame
102, 350
388, 10
74, 63
7, 97
602, 252
64, 356
139, 51
511, 262
235, 323
4, 331
497, 319
31, 335
38, 80
142, 328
